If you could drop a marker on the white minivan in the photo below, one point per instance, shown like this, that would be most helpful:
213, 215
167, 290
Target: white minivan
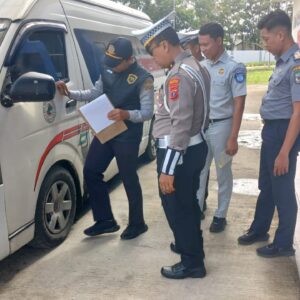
43, 139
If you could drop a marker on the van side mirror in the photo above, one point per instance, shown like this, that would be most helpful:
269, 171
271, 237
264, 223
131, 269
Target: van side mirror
33, 87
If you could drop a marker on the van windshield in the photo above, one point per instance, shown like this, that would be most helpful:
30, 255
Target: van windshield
4, 25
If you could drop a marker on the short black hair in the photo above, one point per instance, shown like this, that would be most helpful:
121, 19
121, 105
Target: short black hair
213, 29
168, 35
275, 18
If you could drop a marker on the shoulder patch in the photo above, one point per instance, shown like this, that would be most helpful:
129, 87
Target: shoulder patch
148, 84
174, 88
240, 75
131, 78
297, 55
296, 73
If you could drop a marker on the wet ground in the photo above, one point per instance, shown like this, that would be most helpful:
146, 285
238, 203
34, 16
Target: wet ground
106, 267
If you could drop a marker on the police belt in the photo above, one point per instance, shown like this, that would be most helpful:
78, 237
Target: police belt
164, 142
212, 121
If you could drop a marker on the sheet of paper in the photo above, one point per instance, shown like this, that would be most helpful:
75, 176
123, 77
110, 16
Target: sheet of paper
96, 112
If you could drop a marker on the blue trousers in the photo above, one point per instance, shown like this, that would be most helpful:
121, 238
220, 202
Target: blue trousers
276, 191
97, 161
181, 207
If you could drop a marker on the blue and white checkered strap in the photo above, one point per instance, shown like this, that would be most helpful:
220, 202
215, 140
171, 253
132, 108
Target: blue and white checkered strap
170, 162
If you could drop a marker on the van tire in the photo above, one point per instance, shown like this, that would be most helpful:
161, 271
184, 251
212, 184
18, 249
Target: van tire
54, 217
150, 152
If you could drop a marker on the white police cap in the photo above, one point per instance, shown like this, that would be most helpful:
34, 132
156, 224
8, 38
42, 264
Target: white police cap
186, 37
147, 34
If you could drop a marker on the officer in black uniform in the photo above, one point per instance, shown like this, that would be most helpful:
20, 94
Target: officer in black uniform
280, 111
130, 89
179, 125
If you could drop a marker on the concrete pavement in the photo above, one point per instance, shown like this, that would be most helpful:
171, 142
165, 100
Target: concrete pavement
106, 267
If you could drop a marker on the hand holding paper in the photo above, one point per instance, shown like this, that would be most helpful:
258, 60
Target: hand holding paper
118, 114
96, 114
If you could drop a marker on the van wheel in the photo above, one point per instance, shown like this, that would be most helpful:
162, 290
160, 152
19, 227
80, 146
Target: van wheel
55, 209
150, 152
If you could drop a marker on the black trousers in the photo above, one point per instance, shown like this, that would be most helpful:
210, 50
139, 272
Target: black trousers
97, 161
276, 191
181, 207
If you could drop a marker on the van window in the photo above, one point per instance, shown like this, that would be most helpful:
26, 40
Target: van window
44, 52
93, 44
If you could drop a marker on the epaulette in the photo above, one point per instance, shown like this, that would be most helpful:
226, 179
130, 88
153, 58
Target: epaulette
297, 55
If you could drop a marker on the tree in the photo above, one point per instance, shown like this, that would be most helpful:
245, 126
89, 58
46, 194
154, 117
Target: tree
239, 18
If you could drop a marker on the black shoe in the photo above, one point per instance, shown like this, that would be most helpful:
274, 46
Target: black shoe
272, 250
217, 225
101, 227
251, 237
174, 248
179, 271
132, 231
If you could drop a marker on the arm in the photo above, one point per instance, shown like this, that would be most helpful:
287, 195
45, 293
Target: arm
232, 144
81, 95
180, 95
147, 105
238, 88
281, 165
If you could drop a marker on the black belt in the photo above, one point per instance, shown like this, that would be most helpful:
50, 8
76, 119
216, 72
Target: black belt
211, 121
275, 120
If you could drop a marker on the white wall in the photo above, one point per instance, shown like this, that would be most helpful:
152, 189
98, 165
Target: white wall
246, 56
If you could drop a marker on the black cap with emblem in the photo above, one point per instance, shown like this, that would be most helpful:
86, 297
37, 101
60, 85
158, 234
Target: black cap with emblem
117, 50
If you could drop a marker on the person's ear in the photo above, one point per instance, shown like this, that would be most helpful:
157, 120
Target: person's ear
165, 45
219, 41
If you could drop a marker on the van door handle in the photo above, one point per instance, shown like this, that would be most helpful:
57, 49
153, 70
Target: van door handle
71, 103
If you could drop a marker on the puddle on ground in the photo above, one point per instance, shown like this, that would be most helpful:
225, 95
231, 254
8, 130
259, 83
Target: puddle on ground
251, 117
244, 186
250, 139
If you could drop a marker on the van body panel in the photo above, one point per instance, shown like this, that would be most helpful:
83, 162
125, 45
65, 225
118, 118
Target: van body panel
4, 245
35, 136
15, 9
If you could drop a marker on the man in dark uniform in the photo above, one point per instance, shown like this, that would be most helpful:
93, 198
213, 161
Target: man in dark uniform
179, 124
280, 111
130, 89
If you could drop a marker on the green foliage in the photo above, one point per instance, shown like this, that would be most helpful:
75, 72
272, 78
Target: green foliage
260, 76
239, 18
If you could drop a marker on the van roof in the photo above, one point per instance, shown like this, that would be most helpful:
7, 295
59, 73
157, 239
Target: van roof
117, 7
18, 9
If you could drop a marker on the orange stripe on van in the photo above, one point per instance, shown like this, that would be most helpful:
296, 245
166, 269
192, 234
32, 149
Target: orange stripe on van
62, 136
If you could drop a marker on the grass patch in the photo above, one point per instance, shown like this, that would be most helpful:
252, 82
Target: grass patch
258, 76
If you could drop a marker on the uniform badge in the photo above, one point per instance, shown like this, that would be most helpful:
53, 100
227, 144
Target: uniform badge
148, 84
174, 88
111, 49
221, 71
297, 55
240, 75
131, 78
49, 111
